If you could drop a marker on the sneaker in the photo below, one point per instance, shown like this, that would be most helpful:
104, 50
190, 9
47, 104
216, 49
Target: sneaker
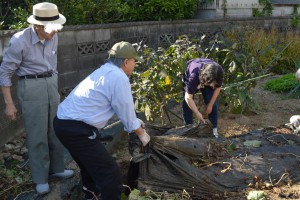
64, 175
91, 195
42, 188
215, 132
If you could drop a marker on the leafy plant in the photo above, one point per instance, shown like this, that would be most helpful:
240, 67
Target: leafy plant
282, 84
239, 66
266, 11
8, 15
255, 12
239, 100
102, 11
286, 64
20, 17
231, 147
161, 80
295, 16
140, 10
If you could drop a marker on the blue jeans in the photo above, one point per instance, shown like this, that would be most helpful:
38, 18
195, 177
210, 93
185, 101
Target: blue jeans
207, 93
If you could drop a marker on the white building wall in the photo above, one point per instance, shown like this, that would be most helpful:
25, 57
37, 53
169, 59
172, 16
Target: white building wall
234, 8
238, 8
208, 6
241, 4
282, 11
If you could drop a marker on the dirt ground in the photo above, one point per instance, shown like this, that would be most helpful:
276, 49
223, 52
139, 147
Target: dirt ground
274, 110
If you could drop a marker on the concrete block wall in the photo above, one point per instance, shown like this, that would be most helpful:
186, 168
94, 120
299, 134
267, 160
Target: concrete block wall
83, 48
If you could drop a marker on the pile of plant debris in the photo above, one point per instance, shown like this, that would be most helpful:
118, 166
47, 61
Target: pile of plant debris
189, 159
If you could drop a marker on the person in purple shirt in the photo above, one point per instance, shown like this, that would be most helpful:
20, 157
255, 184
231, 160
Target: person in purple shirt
205, 75
32, 56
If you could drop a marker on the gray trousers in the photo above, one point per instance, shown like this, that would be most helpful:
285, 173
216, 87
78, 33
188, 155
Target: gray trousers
39, 100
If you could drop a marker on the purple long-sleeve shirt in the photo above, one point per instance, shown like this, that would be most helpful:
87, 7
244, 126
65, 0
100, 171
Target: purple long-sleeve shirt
191, 76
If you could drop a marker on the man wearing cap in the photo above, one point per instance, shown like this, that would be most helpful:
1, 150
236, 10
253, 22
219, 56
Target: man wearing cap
32, 56
88, 108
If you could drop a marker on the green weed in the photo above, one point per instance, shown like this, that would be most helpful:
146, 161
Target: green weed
282, 84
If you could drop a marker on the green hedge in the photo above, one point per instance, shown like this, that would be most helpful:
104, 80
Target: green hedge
80, 12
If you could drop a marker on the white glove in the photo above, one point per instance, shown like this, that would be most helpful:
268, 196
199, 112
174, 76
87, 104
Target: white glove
145, 138
298, 74
142, 123
295, 120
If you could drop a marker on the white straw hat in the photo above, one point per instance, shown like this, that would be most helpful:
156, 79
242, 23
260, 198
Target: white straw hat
45, 13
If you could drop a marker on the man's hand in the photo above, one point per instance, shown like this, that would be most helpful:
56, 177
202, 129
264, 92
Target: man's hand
142, 123
11, 111
145, 138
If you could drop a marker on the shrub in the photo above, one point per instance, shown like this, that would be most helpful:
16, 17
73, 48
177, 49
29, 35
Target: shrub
282, 84
141, 10
271, 50
102, 11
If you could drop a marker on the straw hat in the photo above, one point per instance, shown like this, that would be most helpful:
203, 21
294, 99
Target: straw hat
45, 13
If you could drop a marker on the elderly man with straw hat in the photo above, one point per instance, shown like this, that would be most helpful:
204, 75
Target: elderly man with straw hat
32, 56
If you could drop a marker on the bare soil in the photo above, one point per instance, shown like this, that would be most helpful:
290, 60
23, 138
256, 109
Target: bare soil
274, 110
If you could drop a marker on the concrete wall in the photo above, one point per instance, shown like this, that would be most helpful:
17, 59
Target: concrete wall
83, 48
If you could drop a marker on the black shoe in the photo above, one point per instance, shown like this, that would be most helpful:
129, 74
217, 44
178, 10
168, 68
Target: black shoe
91, 195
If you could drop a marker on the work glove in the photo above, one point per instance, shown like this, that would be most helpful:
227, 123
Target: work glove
142, 123
298, 74
145, 138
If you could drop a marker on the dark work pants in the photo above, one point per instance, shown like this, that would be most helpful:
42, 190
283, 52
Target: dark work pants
96, 165
207, 93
